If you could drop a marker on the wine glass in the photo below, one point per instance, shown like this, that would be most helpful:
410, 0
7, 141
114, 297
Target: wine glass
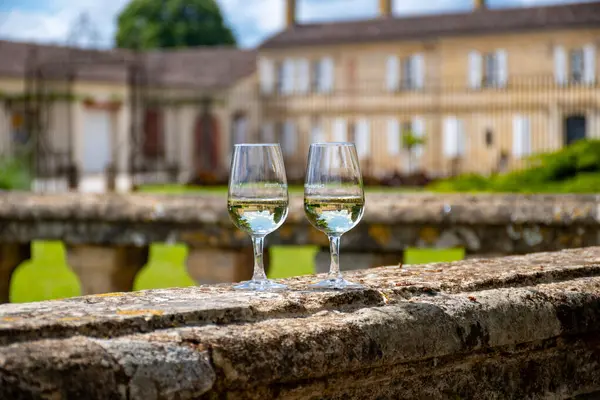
258, 201
334, 200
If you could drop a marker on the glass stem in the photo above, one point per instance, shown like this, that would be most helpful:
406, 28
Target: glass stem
334, 247
259, 266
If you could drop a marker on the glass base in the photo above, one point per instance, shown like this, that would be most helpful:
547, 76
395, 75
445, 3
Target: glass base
337, 284
260, 286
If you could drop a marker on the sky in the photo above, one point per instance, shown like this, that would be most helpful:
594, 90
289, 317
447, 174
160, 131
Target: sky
52, 21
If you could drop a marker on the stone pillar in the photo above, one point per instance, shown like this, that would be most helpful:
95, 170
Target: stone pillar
352, 261
11, 256
213, 266
104, 269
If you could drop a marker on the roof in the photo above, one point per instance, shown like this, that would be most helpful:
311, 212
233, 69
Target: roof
198, 68
482, 21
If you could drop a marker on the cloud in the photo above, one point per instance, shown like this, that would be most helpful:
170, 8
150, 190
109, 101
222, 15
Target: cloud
252, 20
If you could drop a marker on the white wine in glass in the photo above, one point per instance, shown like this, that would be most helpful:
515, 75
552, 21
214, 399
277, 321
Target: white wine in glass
334, 200
258, 201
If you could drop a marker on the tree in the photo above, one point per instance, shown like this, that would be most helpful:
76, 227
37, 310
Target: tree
411, 141
151, 24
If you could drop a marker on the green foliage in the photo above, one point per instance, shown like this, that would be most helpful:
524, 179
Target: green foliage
14, 174
574, 169
410, 140
151, 24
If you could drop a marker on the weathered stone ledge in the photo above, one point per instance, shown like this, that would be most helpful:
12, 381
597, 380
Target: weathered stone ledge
515, 327
411, 208
108, 237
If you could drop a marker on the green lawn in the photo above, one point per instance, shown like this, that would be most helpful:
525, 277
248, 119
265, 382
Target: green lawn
47, 275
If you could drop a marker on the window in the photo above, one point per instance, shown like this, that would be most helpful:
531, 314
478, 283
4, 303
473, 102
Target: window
323, 71
351, 133
340, 130
239, 129
267, 75
303, 75
315, 75
408, 73
577, 66
279, 80
521, 136
394, 144
20, 135
288, 137
154, 143
489, 70
286, 77
454, 138
316, 131
268, 132
489, 137
362, 137
490, 77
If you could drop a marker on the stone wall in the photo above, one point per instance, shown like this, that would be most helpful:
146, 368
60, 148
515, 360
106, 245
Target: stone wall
515, 327
107, 237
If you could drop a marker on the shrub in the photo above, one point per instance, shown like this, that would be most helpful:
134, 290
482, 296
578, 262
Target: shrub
14, 174
574, 169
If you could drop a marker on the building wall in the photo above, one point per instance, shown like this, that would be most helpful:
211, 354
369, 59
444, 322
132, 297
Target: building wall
360, 91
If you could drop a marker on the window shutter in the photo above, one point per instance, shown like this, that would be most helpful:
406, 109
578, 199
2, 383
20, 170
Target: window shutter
462, 137
521, 136
240, 129
316, 132
560, 65
450, 140
268, 132
326, 83
527, 136
418, 70
340, 130
394, 137
363, 138
502, 67
393, 74
303, 71
287, 86
418, 128
475, 69
267, 75
589, 64
288, 139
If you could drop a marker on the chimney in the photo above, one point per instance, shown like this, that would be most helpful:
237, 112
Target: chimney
479, 4
290, 13
385, 8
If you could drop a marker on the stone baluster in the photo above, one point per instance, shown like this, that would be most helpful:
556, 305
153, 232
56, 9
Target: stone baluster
355, 261
106, 269
214, 265
11, 256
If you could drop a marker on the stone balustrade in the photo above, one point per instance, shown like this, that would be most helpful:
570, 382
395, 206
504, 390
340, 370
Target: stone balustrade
108, 236
518, 327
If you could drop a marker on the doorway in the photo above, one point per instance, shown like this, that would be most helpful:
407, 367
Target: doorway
575, 129
206, 144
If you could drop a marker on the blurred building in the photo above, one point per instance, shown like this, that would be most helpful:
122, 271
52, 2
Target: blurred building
100, 120
484, 89
476, 91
